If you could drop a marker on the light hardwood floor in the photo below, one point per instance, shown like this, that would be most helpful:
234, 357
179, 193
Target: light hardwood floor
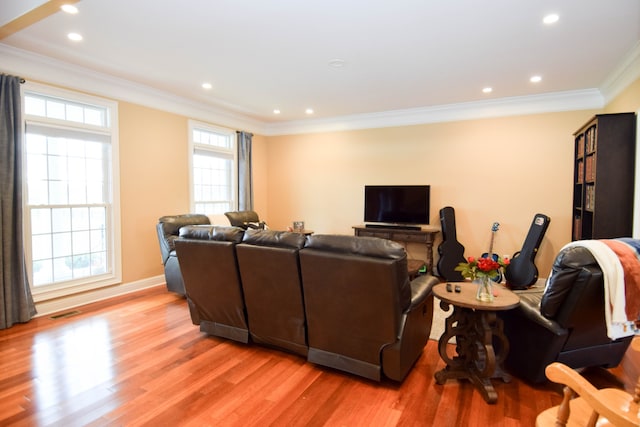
138, 360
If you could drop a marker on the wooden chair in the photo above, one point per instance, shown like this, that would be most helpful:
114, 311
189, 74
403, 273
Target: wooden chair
609, 406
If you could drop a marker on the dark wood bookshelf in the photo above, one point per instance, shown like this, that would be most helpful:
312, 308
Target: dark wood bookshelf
603, 180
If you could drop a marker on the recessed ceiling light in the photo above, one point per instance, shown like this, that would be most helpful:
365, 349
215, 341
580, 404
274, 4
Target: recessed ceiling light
276, 111
337, 63
309, 111
487, 90
207, 86
74, 36
69, 8
535, 79
550, 19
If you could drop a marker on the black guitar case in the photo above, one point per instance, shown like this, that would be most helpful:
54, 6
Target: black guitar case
522, 271
450, 250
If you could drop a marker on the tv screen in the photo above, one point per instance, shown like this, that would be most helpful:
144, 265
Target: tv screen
396, 204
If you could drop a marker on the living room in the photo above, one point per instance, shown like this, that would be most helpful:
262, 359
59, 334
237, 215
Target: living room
495, 162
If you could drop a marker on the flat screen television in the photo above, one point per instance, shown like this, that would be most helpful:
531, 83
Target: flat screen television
396, 204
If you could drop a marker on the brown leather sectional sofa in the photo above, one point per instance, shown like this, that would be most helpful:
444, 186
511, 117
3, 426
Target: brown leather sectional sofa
343, 302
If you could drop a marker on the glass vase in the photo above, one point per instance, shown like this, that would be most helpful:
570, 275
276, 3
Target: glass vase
484, 292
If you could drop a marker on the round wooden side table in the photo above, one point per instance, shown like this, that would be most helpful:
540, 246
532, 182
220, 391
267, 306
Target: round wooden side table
475, 325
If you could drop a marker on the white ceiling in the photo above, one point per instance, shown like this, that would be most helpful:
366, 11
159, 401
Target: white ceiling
398, 54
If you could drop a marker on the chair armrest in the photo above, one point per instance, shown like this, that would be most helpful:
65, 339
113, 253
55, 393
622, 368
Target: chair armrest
612, 404
421, 288
562, 374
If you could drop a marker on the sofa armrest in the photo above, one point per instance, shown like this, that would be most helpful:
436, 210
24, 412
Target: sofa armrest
421, 289
530, 309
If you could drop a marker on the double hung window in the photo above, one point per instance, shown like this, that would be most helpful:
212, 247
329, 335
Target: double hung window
71, 212
213, 169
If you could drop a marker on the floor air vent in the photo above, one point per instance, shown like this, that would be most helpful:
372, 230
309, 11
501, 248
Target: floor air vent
65, 315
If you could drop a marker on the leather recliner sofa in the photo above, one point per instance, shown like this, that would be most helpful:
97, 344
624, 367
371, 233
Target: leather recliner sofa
364, 316
168, 228
270, 274
212, 280
562, 322
345, 302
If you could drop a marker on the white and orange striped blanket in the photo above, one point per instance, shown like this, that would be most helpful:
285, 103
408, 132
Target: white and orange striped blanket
619, 260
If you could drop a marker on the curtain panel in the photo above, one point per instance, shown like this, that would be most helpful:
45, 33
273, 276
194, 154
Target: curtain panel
16, 304
245, 181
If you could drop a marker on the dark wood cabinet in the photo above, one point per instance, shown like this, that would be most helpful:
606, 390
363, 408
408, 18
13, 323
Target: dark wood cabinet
425, 235
603, 180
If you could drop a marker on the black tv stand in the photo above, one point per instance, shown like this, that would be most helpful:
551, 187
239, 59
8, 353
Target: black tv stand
394, 226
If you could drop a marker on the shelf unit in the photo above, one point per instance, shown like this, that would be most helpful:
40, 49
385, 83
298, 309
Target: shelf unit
603, 179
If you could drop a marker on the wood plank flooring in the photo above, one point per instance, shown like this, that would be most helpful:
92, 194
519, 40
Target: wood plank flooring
137, 360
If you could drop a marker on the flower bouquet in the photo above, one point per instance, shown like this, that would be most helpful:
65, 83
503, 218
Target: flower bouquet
482, 271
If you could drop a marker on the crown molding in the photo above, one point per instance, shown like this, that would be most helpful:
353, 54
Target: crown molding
512, 106
47, 70
595, 98
624, 75
44, 69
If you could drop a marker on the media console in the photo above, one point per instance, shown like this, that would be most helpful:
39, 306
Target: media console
394, 227
423, 235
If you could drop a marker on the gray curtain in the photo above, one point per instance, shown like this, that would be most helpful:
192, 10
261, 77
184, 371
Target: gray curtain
16, 303
245, 181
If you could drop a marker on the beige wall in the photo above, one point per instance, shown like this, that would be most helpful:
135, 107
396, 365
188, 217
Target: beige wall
154, 181
503, 170
628, 100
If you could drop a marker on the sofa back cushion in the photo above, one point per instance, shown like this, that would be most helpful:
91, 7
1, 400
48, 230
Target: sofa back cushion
208, 261
368, 247
278, 239
567, 267
356, 290
245, 219
271, 283
168, 229
220, 233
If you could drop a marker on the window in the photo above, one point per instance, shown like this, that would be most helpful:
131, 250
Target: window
213, 169
71, 215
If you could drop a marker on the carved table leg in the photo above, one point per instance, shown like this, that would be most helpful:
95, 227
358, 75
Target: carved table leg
476, 359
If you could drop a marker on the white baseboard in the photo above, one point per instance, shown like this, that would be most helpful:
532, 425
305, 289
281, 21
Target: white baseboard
65, 303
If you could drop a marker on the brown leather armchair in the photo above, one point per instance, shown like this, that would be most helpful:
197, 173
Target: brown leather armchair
270, 272
212, 280
245, 219
364, 316
168, 228
564, 322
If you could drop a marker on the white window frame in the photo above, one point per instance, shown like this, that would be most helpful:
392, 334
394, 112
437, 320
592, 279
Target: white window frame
114, 259
231, 152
